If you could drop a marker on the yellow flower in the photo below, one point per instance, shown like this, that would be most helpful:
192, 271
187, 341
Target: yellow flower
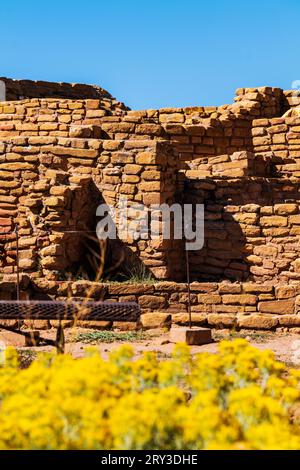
239, 398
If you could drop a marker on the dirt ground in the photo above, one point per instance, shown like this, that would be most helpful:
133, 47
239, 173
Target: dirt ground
286, 346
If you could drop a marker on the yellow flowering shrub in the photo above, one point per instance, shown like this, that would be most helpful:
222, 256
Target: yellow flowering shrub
239, 398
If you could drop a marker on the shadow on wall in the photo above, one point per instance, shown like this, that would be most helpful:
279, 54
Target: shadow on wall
239, 244
86, 256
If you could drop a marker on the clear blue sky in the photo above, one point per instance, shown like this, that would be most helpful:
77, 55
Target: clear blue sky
155, 53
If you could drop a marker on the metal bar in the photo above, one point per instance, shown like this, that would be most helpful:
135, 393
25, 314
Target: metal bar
17, 260
189, 286
70, 310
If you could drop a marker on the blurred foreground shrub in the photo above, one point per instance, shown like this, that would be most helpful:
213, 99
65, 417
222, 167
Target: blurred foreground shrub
239, 398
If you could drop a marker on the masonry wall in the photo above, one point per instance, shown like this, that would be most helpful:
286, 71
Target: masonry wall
52, 186
253, 306
278, 140
30, 89
61, 158
251, 229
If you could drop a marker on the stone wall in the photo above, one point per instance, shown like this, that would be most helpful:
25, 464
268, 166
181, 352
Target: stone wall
65, 149
278, 140
55, 117
52, 186
28, 89
251, 229
218, 305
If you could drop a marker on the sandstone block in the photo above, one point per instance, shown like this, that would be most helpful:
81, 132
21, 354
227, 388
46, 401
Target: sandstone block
257, 322
266, 250
250, 287
220, 320
230, 288
239, 299
296, 265
190, 336
273, 221
26, 263
128, 289
125, 325
156, 320
152, 302
246, 218
60, 191
286, 209
279, 139
144, 158
289, 320
149, 129
204, 286
131, 169
280, 307
54, 201
285, 291
150, 186
172, 117
277, 129
53, 262
127, 188
209, 299
151, 175
16, 166
294, 219
182, 318
52, 250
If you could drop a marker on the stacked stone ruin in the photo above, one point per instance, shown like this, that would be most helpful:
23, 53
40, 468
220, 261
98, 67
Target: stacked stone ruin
66, 148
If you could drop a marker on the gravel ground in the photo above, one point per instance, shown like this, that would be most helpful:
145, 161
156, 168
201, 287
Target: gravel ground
286, 346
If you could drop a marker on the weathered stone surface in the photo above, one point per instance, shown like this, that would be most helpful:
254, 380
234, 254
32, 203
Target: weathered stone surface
204, 286
286, 209
239, 299
54, 167
152, 302
230, 288
170, 287
281, 307
209, 299
289, 320
260, 322
220, 320
254, 288
125, 325
182, 318
156, 320
124, 289
273, 221
88, 289
190, 336
285, 292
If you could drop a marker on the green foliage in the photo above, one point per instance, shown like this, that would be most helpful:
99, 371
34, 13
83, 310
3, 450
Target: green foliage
107, 336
